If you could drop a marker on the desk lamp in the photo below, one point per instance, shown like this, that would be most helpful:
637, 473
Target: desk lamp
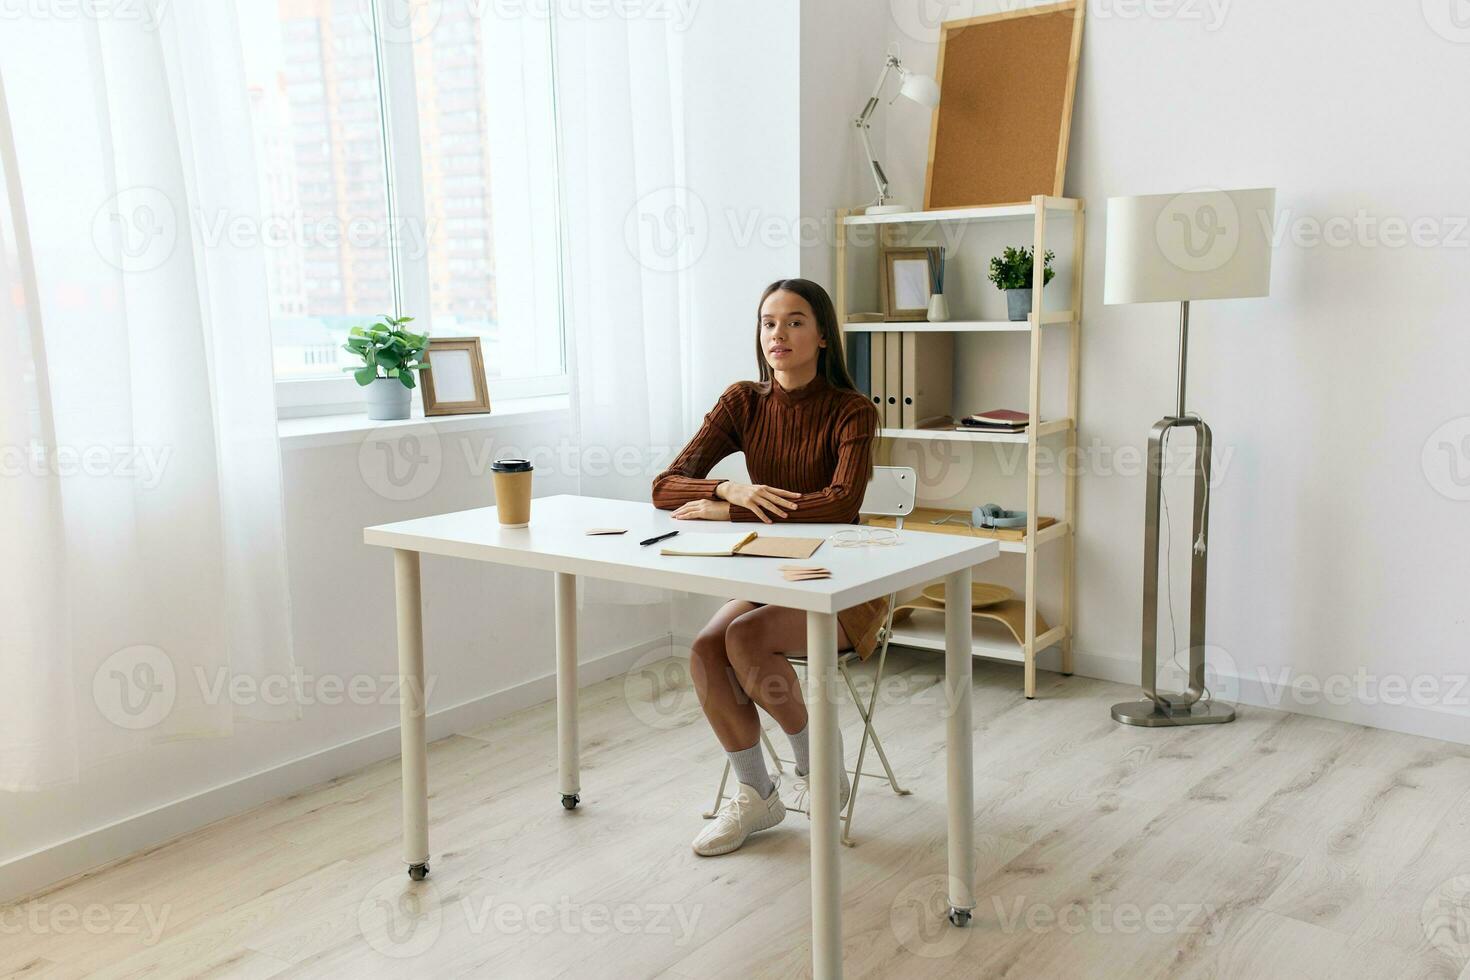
917, 88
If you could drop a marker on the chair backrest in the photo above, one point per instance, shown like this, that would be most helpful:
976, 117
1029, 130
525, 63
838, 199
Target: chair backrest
891, 492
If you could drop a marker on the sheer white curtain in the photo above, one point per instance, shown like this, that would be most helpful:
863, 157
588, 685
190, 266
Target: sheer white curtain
628, 240
626, 245
143, 550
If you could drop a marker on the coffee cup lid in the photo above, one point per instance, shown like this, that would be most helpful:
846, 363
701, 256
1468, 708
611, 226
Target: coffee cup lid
511, 466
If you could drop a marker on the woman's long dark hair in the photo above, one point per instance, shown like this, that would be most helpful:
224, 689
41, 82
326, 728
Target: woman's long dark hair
831, 361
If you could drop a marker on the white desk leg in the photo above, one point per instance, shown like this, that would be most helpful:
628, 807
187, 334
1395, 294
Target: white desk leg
411, 712
569, 766
958, 671
821, 651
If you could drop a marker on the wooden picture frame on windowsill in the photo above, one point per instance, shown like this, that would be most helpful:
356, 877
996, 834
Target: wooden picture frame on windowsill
455, 382
904, 282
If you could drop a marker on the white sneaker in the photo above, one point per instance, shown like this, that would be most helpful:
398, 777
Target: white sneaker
801, 793
745, 814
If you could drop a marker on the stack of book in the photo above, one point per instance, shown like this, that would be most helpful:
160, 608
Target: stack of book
996, 420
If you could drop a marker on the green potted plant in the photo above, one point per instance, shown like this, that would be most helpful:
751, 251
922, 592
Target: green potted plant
1012, 271
390, 355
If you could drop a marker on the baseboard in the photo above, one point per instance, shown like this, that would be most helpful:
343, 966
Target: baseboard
1445, 724
51, 866
1303, 697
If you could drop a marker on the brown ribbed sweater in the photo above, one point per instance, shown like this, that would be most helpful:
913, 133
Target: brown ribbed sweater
816, 440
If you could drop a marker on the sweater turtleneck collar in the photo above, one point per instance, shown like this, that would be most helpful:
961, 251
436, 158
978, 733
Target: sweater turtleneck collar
812, 387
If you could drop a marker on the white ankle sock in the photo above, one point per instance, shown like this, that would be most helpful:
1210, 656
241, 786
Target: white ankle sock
750, 768
801, 752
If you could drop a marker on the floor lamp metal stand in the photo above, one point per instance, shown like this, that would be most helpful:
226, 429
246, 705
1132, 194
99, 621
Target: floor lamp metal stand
1190, 708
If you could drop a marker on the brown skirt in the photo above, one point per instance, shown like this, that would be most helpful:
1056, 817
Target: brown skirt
862, 624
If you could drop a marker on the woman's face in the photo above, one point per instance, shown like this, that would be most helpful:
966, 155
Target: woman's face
790, 337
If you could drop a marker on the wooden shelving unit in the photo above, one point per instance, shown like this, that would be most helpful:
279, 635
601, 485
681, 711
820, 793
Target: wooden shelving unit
924, 629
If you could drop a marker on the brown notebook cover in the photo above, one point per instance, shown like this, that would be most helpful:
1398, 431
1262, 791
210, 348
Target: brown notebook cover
774, 547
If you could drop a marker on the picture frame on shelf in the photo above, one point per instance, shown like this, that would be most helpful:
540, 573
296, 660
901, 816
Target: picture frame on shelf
455, 382
904, 284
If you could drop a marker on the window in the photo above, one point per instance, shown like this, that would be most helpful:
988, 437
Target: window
456, 228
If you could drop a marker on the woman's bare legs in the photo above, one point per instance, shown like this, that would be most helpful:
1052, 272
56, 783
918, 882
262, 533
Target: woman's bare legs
756, 644
729, 709
738, 662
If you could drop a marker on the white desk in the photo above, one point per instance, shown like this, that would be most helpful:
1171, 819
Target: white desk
556, 542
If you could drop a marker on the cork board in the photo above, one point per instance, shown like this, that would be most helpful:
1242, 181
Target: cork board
1006, 81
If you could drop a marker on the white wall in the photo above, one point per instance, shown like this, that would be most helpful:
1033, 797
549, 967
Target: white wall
1336, 546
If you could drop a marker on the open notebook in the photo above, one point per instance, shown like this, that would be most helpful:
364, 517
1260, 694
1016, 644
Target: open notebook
746, 543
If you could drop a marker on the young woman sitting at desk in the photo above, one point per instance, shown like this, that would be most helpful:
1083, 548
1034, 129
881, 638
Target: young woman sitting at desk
807, 434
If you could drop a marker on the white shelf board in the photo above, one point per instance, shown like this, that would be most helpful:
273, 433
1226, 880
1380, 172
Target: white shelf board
949, 326
956, 326
952, 435
968, 435
924, 630
998, 212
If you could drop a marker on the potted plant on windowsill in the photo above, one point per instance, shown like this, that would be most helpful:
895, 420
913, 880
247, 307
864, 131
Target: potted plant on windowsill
1012, 271
390, 355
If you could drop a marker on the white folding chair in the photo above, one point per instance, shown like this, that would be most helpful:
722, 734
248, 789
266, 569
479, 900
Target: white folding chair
890, 493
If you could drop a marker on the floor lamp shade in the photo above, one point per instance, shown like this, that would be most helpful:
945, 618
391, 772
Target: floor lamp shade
1181, 247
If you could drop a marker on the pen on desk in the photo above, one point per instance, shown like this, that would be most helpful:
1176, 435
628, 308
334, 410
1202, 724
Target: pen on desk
657, 538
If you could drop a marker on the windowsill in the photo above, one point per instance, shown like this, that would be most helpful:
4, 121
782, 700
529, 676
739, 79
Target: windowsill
340, 430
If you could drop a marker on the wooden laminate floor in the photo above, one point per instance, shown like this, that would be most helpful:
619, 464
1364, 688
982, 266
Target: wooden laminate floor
1278, 846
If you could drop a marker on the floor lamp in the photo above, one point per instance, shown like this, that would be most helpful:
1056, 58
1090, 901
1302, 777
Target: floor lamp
1177, 248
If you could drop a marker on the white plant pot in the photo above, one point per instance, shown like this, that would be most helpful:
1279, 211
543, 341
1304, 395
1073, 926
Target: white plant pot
388, 399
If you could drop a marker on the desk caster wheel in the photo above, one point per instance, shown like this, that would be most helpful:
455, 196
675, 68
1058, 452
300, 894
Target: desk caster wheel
959, 917
570, 800
418, 872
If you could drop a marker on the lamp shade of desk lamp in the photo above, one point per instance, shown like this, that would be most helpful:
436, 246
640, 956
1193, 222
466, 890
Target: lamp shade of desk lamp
1176, 248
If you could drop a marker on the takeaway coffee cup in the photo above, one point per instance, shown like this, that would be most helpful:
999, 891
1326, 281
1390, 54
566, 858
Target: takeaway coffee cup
512, 491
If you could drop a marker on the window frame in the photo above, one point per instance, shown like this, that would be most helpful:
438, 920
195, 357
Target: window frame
404, 182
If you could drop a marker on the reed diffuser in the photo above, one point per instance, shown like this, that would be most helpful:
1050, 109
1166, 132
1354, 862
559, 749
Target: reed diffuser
938, 305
